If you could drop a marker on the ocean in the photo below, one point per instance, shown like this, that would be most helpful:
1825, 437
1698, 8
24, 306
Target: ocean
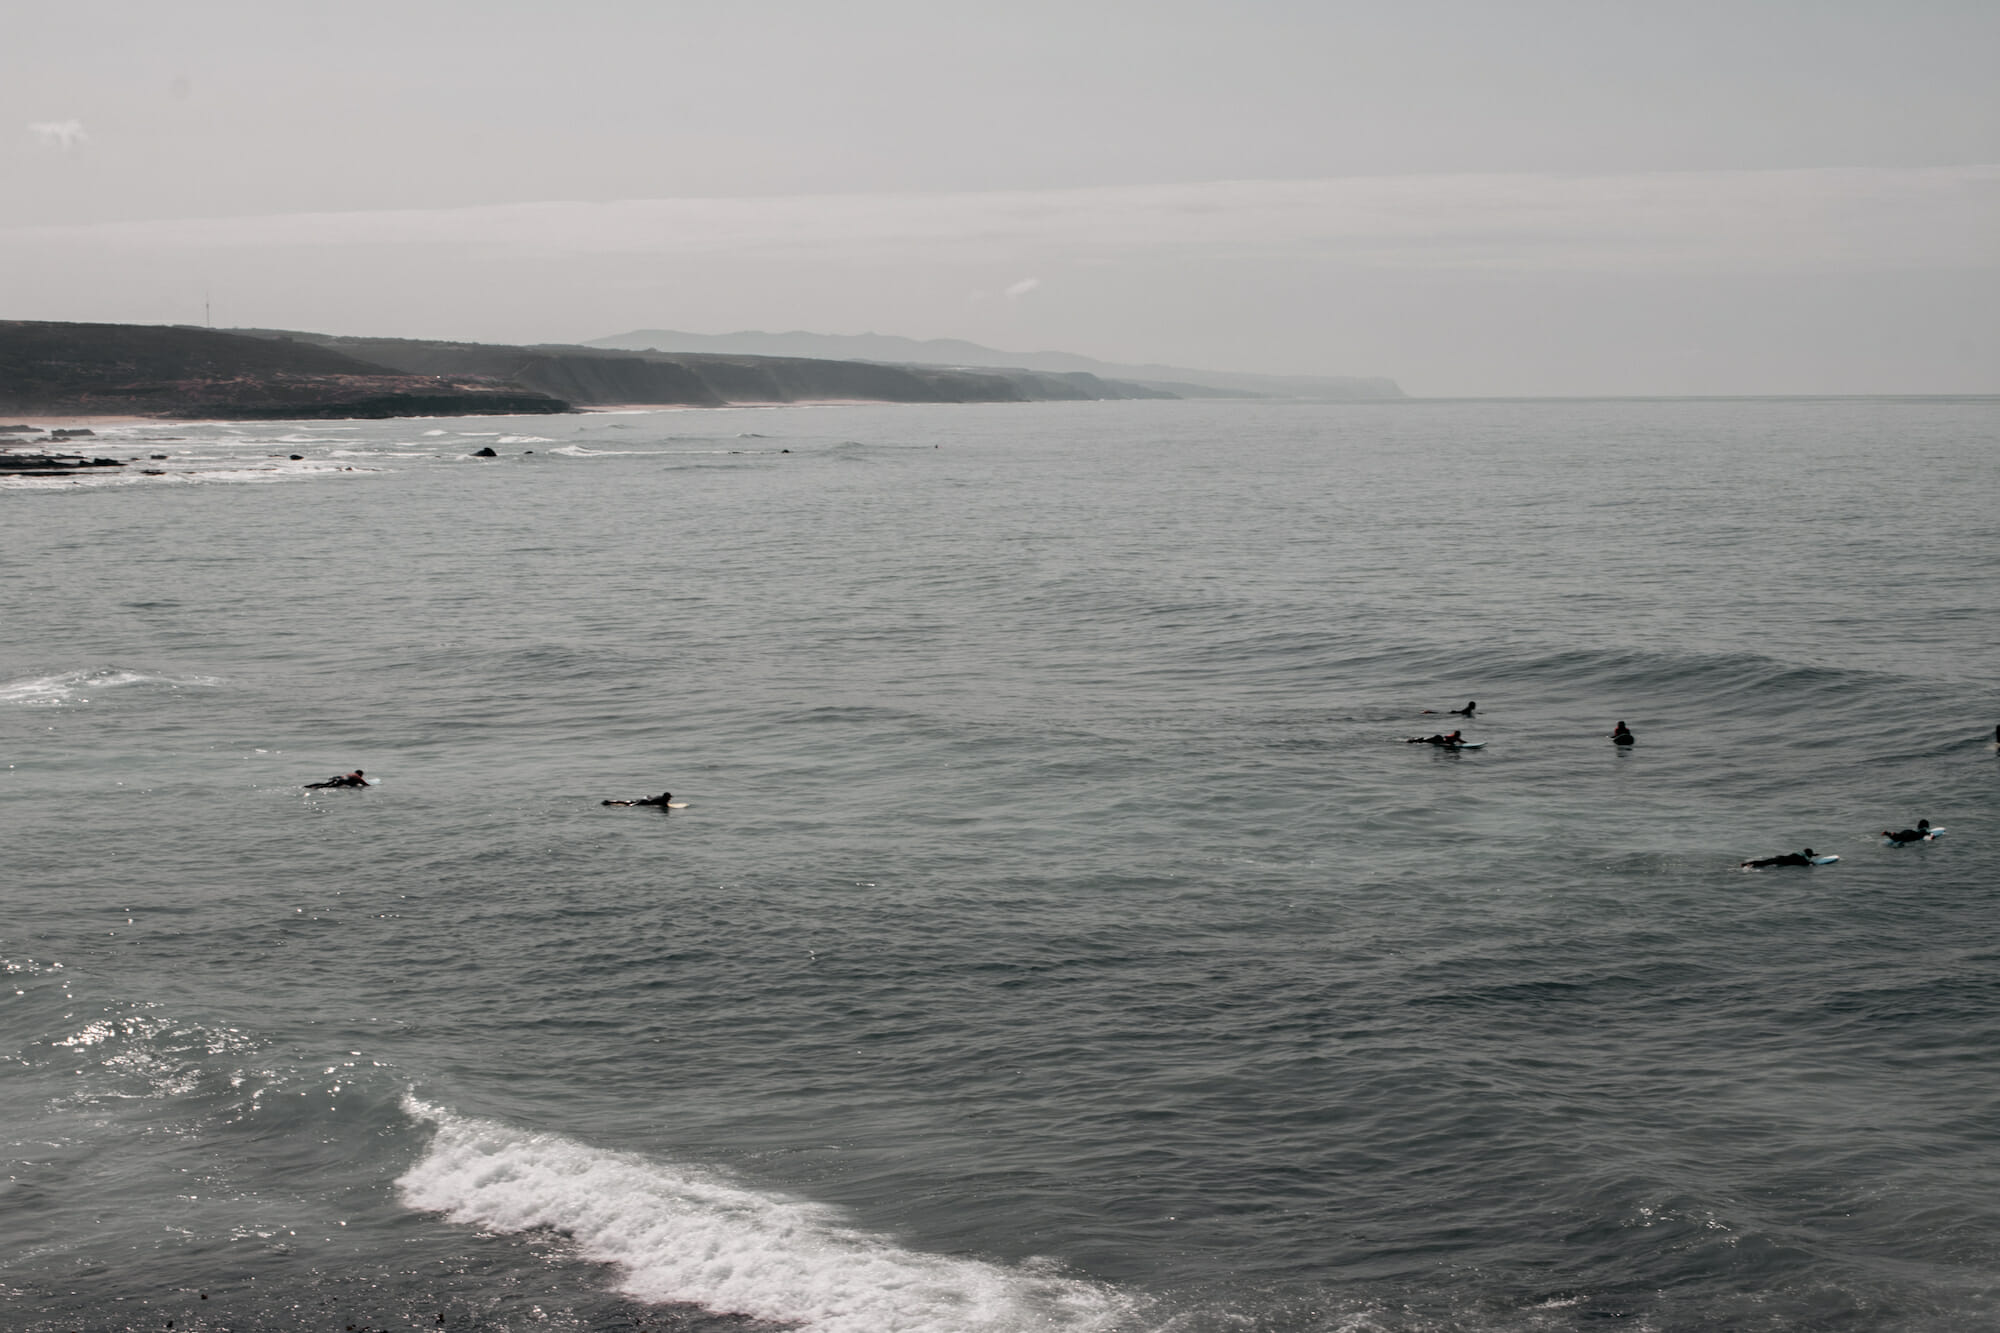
1058, 934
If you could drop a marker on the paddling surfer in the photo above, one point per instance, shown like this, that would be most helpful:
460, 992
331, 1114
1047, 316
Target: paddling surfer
1921, 833
1804, 858
1622, 735
662, 800
354, 779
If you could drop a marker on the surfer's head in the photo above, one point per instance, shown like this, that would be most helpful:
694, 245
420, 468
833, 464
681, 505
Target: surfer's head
1923, 824
1809, 851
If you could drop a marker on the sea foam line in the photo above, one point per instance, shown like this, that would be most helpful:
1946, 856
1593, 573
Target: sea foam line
64, 687
687, 1235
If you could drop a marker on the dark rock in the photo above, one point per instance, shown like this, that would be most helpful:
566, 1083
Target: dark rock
42, 465
484, 453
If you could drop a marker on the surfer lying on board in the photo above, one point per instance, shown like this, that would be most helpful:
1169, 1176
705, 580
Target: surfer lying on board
1455, 739
1804, 858
353, 779
661, 800
1470, 708
1622, 735
1920, 833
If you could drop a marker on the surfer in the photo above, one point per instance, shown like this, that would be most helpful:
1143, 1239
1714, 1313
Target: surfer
1471, 705
1622, 735
1804, 858
1454, 740
354, 779
661, 800
1921, 833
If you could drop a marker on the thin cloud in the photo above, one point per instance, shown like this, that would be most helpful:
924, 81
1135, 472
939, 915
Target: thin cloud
1015, 291
59, 134
1818, 220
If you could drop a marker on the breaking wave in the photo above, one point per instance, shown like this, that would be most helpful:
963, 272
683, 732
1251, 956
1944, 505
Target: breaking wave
682, 1234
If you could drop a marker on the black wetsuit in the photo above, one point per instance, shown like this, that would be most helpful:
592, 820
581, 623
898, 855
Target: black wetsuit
660, 800
1788, 859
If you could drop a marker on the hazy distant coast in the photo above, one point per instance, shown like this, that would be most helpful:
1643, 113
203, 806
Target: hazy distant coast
599, 377
171, 371
1167, 381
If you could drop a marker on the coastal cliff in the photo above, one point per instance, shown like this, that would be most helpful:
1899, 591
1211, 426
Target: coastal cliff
168, 371
270, 374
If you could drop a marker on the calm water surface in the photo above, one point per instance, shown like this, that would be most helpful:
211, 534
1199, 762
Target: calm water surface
1058, 936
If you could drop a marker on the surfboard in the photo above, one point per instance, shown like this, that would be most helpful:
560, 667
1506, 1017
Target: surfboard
1464, 745
1824, 860
677, 805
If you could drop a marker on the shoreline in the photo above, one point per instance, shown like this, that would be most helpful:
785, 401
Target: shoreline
43, 423
49, 423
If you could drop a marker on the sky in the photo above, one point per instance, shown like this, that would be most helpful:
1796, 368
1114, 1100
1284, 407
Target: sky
1530, 198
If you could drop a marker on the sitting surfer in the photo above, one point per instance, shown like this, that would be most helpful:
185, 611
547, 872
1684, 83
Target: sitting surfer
1921, 833
1804, 858
354, 779
1454, 740
661, 800
1622, 735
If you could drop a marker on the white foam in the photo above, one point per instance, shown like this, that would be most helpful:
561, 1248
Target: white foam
687, 1235
69, 687
524, 439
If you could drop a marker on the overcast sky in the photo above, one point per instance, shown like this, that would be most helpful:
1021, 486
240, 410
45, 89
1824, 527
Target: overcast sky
1525, 198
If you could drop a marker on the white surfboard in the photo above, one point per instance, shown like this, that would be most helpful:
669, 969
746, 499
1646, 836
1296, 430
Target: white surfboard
677, 805
1824, 860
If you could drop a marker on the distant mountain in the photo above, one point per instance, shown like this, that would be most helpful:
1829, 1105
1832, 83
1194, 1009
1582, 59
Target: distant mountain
1179, 381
